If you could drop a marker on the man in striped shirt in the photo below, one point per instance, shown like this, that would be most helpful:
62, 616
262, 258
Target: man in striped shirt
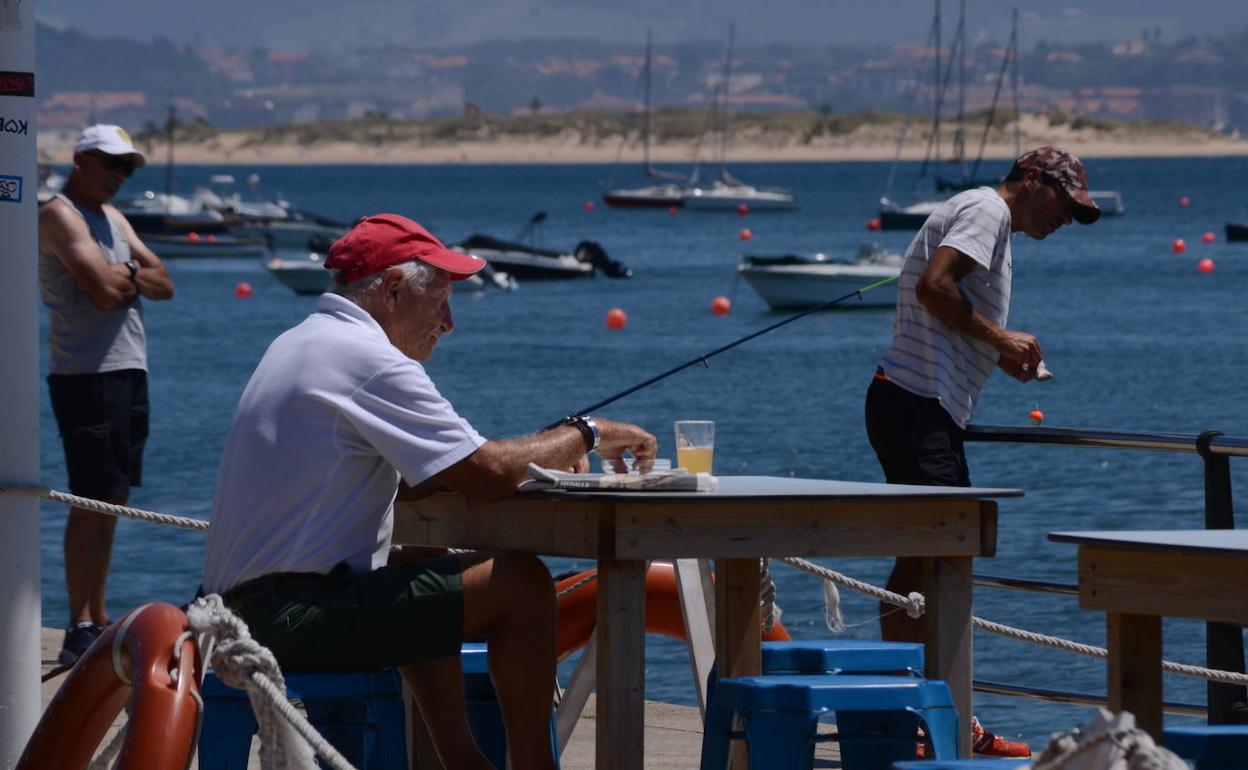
950, 330
949, 334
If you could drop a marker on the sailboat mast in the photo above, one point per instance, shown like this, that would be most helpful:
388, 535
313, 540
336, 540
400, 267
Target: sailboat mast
169, 163
645, 87
1015, 51
723, 107
959, 140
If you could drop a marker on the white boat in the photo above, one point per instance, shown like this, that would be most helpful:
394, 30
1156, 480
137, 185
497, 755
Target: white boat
196, 244
306, 274
724, 196
1109, 202
803, 281
894, 216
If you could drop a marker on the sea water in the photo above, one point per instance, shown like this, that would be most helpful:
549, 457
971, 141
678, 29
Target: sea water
1138, 339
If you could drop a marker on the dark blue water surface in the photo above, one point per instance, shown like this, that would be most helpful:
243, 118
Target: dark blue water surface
1138, 339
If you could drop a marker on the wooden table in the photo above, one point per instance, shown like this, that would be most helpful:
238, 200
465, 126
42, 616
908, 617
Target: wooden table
748, 517
1138, 577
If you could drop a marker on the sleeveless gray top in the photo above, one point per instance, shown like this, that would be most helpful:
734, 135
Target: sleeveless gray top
82, 338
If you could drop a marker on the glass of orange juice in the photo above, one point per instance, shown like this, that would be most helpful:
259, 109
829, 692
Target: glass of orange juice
695, 445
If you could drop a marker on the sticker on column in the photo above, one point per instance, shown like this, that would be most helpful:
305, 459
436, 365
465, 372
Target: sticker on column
10, 189
10, 14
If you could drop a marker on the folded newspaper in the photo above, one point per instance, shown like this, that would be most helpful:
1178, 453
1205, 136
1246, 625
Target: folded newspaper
674, 480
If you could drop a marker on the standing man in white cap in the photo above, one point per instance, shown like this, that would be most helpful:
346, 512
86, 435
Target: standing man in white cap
92, 271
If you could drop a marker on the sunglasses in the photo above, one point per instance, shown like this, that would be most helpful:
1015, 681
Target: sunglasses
115, 162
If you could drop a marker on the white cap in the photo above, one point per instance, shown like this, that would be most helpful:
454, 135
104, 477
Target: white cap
111, 140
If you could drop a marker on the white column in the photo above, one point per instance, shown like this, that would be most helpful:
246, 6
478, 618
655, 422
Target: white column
19, 383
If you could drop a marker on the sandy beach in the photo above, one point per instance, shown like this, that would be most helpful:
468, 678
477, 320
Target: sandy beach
757, 140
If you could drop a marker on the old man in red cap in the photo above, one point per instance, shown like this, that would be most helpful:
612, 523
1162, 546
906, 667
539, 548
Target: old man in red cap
337, 413
950, 334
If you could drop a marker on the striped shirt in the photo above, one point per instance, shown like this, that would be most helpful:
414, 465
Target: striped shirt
928, 358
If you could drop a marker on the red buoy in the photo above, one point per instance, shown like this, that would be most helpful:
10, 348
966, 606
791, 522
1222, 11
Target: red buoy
1184, 201
745, 234
1036, 416
1179, 246
1204, 266
874, 224
192, 236
721, 306
672, 209
616, 318
1208, 237
211, 238
743, 209
242, 290
589, 205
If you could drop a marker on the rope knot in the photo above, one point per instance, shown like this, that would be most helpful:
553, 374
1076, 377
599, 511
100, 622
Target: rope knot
915, 605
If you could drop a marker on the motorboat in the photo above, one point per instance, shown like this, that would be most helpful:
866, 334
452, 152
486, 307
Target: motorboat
722, 195
528, 262
1237, 231
194, 243
305, 273
1109, 202
896, 217
801, 281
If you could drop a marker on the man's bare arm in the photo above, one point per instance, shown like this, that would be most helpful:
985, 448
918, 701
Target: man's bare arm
64, 234
152, 278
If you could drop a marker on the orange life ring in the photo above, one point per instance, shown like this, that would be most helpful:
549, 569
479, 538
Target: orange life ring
578, 609
133, 661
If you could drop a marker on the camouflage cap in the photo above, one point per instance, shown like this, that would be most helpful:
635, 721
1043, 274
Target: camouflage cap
1067, 171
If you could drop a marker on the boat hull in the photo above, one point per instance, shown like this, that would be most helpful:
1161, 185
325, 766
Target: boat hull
1237, 231
902, 220
711, 201
210, 245
636, 199
800, 287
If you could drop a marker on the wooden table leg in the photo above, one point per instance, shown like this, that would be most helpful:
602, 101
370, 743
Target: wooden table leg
949, 643
621, 632
738, 631
1134, 643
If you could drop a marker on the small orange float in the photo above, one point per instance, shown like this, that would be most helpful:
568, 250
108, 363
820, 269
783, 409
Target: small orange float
578, 609
131, 665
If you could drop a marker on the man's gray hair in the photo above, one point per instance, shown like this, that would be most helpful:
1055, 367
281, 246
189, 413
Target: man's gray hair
417, 273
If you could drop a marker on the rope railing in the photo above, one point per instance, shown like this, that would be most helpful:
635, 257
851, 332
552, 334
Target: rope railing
86, 503
914, 606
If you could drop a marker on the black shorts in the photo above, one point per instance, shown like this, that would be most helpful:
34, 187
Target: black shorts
915, 439
392, 616
103, 423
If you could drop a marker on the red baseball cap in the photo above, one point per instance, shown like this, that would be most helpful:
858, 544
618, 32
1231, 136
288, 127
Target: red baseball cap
385, 240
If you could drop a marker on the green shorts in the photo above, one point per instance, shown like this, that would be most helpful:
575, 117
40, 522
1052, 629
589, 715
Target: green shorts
348, 621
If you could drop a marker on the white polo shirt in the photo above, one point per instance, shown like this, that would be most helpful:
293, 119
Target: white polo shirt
928, 358
332, 417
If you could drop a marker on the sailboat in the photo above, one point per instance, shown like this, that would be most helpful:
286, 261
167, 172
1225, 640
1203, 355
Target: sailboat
664, 194
893, 215
970, 177
727, 193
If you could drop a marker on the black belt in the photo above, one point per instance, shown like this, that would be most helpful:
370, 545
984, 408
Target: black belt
269, 585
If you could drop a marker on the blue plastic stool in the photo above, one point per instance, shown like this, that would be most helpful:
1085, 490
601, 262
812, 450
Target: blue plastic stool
781, 713
842, 656
1213, 747
359, 712
965, 764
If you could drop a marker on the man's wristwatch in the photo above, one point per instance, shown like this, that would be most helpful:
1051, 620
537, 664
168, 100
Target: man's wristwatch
588, 428
133, 267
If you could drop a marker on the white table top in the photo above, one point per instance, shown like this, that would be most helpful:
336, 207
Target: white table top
744, 487
1221, 541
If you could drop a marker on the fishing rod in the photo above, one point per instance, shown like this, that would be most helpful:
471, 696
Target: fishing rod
702, 359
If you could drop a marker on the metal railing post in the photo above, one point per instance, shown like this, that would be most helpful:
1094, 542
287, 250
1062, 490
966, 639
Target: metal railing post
1224, 643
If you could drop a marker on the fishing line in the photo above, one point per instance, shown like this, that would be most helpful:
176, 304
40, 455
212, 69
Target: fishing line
702, 359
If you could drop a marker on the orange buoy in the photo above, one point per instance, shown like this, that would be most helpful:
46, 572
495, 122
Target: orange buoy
211, 238
1204, 266
143, 663
192, 236
1208, 237
745, 234
1184, 201
616, 318
673, 209
874, 224
242, 290
1179, 246
743, 209
721, 306
1036, 416
578, 609
589, 205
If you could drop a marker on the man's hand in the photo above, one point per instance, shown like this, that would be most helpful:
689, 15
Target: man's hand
620, 437
1020, 355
